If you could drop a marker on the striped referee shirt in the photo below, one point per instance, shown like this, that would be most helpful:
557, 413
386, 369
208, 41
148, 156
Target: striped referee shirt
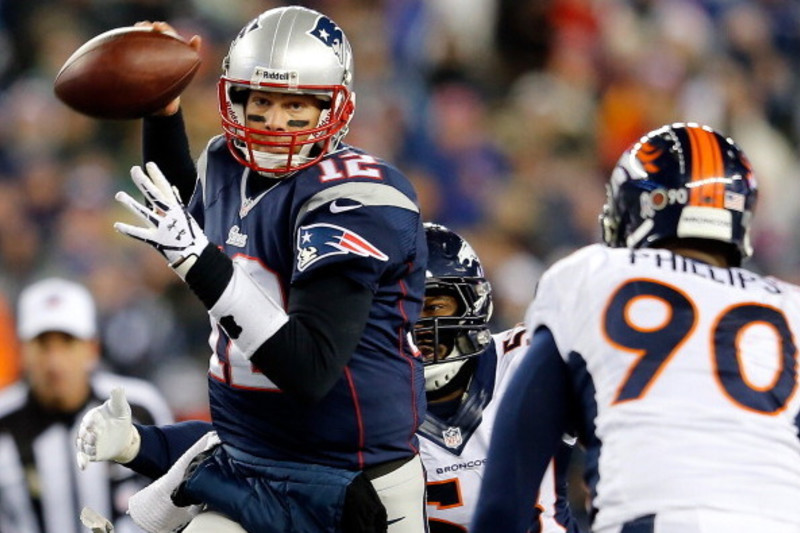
42, 490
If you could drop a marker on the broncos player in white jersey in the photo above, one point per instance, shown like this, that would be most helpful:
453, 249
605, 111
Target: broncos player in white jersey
466, 371
677, 368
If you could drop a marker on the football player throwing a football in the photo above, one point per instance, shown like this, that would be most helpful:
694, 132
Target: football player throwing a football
309, 256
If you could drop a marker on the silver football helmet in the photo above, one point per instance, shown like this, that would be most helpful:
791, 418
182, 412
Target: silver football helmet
292, 50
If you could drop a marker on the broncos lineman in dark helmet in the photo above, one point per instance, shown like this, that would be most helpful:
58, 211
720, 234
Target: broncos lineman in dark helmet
648, 347
466, 371
449, 341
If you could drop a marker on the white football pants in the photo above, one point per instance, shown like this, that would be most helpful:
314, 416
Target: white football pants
403, 494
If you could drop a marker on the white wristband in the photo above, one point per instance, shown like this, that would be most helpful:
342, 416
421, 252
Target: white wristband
247, 314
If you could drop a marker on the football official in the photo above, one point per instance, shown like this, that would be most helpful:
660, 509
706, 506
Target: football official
41, 488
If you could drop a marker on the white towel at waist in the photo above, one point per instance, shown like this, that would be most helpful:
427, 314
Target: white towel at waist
152, 508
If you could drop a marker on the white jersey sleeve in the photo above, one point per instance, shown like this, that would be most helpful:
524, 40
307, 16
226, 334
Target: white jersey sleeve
687, 377
455, 463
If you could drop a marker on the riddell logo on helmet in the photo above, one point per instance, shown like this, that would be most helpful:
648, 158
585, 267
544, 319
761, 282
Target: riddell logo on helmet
261, 75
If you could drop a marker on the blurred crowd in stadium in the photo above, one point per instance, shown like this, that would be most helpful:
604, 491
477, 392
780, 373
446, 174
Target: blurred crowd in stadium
507, 114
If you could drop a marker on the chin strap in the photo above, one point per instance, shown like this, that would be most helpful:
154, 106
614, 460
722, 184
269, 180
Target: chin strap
442, 379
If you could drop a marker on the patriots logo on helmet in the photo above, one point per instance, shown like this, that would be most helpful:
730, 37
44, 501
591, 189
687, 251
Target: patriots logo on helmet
330, 35
317, 241
250, 26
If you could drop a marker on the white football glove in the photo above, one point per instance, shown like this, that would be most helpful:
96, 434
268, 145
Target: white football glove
170, 228
96, 522
106, 432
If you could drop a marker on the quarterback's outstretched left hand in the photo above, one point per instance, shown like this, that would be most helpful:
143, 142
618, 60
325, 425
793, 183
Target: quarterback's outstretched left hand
171, 229
106, 432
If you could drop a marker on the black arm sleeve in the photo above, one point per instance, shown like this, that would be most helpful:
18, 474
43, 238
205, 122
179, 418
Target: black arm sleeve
306, 356
327, 315
165, 143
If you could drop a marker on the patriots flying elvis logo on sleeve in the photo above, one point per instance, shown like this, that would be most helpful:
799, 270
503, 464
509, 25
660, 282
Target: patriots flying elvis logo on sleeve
317, 241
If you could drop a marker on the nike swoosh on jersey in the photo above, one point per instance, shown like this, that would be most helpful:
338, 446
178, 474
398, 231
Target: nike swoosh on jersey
336, 208
394, 521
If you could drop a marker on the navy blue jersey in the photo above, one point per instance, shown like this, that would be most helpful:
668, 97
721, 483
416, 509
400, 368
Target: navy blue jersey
357, 216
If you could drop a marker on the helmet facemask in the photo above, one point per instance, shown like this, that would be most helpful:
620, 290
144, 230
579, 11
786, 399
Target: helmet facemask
303, 148
447, 342
609, 221
289, 50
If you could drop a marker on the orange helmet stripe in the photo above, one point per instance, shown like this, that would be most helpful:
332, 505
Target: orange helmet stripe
707, 169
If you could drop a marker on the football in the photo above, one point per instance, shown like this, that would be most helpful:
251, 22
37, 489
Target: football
126, 73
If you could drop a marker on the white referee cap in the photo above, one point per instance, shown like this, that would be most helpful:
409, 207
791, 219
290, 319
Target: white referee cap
56, 304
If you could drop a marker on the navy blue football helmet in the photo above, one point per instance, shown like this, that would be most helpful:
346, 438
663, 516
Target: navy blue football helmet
453, 270
681, 181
